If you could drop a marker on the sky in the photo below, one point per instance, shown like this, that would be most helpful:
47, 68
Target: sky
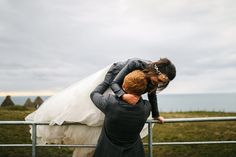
47, 45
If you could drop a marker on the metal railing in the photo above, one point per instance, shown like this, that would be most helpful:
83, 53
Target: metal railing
150, 143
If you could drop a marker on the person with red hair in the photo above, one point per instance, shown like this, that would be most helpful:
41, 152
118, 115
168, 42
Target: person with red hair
123, 122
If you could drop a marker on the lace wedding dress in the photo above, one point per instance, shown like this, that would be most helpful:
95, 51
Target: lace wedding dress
73, 104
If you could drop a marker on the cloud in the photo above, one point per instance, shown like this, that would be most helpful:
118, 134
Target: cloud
47, 44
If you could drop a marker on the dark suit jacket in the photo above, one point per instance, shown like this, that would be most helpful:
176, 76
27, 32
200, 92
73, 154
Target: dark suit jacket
122, 125
119, 70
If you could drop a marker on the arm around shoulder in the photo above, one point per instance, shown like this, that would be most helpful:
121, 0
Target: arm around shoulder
132, 64
97, 97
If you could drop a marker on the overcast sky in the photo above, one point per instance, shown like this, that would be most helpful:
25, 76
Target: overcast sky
46, 45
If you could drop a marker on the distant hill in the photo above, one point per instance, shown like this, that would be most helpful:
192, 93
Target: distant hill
29, 103
7, 101
38, 101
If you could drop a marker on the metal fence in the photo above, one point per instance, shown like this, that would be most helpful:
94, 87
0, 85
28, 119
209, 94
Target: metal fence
150, 143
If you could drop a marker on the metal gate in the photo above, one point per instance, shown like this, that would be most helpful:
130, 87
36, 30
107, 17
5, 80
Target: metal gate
150, 143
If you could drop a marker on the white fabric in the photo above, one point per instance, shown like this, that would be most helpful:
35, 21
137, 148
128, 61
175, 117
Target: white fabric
73, 104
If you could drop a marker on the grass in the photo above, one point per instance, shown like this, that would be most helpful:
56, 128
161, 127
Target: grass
10, 134
198, 131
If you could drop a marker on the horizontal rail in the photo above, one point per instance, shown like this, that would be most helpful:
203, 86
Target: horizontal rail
94, 145
50, 145
169, 120
145, 144
193, 143
150, 144
16, 145
205, 119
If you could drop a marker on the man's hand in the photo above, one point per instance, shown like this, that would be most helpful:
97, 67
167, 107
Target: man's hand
160, 119
130, 98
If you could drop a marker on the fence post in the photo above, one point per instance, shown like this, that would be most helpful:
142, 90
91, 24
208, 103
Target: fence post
34, 132
150, 139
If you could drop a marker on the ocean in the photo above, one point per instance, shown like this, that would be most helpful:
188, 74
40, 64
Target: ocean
224, 102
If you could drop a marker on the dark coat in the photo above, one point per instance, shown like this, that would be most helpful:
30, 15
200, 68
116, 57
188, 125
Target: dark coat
119, 70
122, 125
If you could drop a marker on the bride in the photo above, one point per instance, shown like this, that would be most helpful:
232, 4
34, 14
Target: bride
73, 104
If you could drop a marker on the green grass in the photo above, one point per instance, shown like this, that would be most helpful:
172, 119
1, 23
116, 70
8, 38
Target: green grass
10, 134
197, 131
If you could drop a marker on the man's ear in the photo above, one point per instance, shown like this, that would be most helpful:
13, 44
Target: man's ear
124, 87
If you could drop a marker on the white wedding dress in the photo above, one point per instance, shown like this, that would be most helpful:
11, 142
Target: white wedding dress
73, 104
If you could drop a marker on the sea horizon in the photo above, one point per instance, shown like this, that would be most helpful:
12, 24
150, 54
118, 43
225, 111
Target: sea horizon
173, 102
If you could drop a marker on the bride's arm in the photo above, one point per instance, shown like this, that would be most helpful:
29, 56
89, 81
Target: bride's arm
131, 65
98, 98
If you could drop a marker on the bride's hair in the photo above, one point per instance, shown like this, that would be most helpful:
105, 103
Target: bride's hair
162, 66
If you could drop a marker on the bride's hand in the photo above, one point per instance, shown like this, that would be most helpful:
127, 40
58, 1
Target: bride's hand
160, 119
130, 98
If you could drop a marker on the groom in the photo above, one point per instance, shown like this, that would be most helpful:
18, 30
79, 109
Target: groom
123, 122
